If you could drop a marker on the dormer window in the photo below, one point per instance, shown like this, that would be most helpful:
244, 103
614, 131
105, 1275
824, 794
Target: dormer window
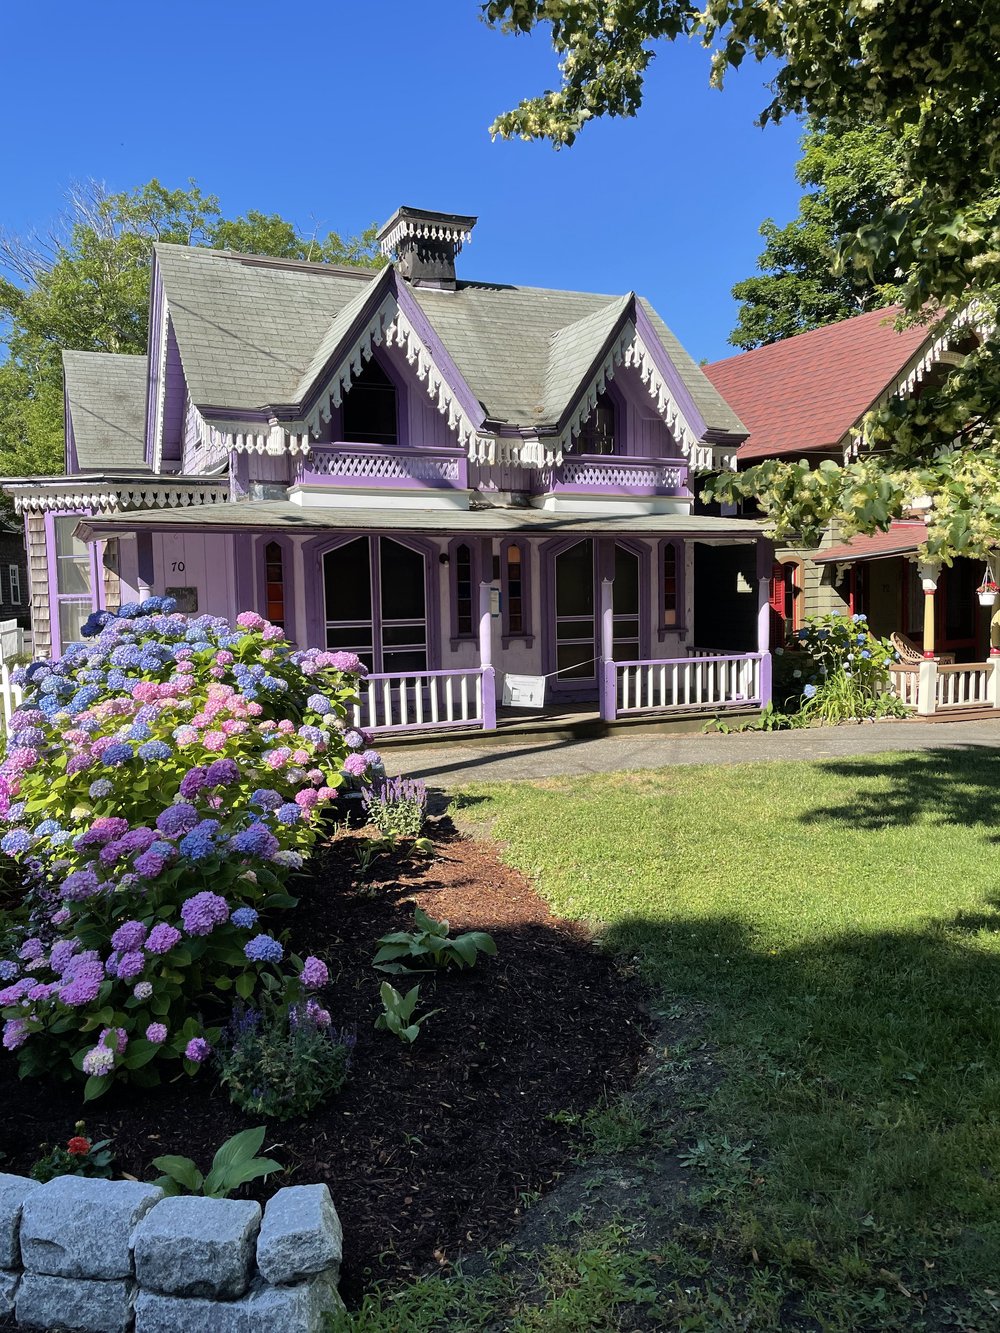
597, 434
370, 415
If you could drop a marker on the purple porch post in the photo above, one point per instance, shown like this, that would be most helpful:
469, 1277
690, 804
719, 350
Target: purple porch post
765, 564
608, 685
489, 676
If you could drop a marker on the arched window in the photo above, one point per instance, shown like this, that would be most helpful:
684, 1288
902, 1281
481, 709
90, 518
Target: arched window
516, 588
464, 592
274, 584
370, 415
598, 433
671, 578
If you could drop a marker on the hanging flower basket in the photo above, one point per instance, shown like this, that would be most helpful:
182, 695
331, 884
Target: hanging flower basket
987, 593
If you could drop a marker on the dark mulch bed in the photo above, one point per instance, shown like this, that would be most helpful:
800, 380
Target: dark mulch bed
430, 1149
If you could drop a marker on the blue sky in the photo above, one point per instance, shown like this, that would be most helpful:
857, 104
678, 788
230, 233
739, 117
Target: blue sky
333, 114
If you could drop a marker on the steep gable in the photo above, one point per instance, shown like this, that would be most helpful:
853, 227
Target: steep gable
807, 392
106, 411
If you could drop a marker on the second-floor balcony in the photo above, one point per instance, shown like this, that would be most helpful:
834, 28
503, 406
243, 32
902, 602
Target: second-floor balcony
616, 474
379, 465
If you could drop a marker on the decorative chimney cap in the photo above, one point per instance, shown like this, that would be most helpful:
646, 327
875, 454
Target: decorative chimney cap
420, 224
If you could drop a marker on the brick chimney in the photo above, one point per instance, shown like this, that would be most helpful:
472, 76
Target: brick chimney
425, 244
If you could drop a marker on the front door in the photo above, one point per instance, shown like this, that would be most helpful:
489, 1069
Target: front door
375, 592
576, 628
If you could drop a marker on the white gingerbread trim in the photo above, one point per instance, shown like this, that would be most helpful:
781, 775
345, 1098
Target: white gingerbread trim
425, 231
139, 494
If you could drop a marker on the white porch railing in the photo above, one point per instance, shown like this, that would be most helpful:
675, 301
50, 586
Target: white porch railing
426, 699
964, 685
932, 687
10, 696
681, 684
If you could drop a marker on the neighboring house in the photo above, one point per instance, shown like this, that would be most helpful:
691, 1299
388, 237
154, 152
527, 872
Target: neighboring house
805, 397
14, 602
456, 480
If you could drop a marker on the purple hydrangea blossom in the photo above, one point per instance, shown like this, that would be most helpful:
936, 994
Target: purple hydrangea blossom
162, 938
176, 820
138, 839
8, 969
131, 965
156, 1033
16, 842
79, 885
83, 986
202, 913
33, 948
192, 782
355, 765
266, 799
197, 1050
59, 958
129, 935
319, 703
150, 864
314, 973
222, 773
257, 840
263, 949
290, 813
15, 1033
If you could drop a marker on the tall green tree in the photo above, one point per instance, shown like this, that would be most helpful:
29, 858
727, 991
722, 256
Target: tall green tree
85, 286
929, 74
851, 180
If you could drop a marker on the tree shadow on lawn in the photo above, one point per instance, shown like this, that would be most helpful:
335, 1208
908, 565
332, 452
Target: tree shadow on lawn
862, 1071
948, 784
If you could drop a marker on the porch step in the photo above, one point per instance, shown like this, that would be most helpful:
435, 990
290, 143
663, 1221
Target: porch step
570, 726
974, 713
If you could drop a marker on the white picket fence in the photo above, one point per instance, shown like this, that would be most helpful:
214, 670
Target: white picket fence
421, 700
955, 685
10, 696
682, 683
14, 641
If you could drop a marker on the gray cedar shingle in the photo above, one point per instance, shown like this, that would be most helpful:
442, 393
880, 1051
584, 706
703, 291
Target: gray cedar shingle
254, 332
107, 404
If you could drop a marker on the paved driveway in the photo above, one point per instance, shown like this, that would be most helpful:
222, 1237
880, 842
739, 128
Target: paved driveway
451, 765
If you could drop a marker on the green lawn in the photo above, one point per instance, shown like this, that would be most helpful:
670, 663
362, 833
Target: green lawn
832, 931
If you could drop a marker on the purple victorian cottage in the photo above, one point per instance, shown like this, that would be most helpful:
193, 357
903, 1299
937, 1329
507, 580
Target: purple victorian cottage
472, 485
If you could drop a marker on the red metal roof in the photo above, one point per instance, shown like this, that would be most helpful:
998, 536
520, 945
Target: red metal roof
806, 392
902, 537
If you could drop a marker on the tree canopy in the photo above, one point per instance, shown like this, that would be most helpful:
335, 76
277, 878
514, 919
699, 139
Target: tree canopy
851, 181
926, 74
85, 286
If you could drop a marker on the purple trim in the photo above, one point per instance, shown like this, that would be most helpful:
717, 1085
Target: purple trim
95, 552
475, 576
526, 635
668, 371
452, 376
662, 630
258, 562
428, 468
555, 481
156, 298
313, 553
548, 553
489, 677
145, 565
765, 566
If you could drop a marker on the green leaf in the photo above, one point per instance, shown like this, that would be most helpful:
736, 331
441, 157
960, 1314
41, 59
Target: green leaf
239, 1174
240, 1148
244, 985
96, 1087
182, 1170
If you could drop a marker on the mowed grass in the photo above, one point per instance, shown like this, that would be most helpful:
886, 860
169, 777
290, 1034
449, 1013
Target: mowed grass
835, 930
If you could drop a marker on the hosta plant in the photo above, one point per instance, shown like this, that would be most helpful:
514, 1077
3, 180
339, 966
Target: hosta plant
163, 781
399, 1013
430, 945
235, 1164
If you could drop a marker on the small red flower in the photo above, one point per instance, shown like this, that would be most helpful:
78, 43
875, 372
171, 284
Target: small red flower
78, 1147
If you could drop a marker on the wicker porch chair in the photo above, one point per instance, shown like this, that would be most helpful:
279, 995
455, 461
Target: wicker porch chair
911, 655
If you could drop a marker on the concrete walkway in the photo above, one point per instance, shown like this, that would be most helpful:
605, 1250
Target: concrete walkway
449, 766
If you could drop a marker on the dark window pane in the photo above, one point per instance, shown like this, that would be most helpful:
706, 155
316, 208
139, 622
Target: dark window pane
626, 587
575, 660
402, 571
347, 580
404, 636
415, 660
515, 606
597, 434
370, 408
463, 590
670, 584
575, 581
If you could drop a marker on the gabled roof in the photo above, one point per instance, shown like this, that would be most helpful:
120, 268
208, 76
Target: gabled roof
107, 407
902, 537
806, 392
254, 332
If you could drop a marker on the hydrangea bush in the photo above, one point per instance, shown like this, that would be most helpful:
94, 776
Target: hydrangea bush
843, 669
161, 783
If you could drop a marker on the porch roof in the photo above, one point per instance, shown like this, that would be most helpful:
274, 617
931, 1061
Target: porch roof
902, 538
283, 515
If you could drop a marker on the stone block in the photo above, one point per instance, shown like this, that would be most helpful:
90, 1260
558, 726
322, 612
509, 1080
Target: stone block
8, 1291
13, 1192
300, 1235
299, 1309
191, 1246
76, 1227
79, 1304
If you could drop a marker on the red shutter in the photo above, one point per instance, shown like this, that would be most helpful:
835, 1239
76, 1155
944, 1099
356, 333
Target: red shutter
778, 598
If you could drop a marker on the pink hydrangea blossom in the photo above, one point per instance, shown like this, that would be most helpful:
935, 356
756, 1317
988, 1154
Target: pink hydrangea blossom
250, 620
214, 741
